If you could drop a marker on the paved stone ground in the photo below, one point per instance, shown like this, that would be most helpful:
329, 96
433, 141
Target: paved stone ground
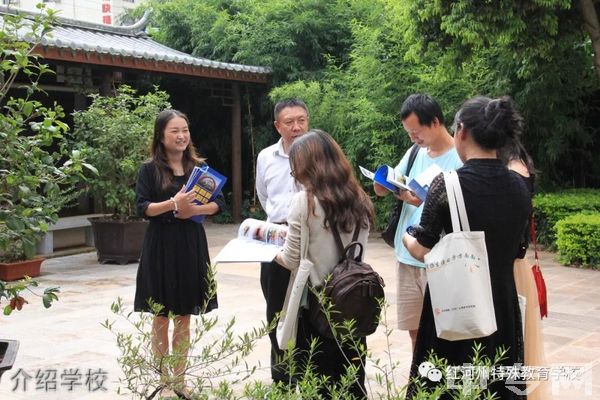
69, 335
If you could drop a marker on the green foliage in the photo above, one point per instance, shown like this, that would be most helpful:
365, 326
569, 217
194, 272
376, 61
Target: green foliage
216, 366
11, 291
294, 38
537, 52
38, 175
578, 240
549, 208
355, 61
115, 134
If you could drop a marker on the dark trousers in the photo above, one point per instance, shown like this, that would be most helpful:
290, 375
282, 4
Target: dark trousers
331, 359
274, 281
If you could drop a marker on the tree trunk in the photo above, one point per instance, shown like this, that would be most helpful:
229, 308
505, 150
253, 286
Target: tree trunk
592, 26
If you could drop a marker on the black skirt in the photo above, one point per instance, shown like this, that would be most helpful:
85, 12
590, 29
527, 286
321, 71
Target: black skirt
173, 269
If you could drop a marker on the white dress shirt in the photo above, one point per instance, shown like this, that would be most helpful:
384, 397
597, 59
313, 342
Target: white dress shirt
274, 184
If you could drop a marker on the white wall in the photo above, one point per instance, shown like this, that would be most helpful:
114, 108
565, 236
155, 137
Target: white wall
83, 10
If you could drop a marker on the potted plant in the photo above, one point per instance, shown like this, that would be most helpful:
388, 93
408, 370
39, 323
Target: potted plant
114, 134
38, 176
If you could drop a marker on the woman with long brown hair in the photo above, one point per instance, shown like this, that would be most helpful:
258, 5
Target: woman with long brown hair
331, 195
173, 270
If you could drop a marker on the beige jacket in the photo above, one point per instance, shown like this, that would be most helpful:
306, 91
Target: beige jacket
322, 256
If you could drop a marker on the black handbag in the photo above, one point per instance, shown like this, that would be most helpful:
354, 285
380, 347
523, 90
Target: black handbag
389, 233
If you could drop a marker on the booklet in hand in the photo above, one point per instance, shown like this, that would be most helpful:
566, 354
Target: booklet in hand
256, 241
420, 185
387, 177
207, 184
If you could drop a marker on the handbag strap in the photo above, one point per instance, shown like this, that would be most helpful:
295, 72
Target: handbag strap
456, 202
338, 239
411, 157
414, 150
304, 234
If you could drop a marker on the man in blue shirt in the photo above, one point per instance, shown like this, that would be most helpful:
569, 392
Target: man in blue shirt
423, 120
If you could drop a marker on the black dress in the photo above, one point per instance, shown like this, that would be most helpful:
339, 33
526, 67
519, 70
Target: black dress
174, 262
499, 204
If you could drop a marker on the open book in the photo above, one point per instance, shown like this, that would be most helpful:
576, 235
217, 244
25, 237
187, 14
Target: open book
256, 241
387, 177
207, 184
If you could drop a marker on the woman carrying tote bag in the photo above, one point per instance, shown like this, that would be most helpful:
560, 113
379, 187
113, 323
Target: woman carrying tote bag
498, 204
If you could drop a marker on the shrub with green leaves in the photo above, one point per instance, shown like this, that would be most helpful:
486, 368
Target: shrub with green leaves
12, 291
115, 134
38, 175
578, 240
549, 208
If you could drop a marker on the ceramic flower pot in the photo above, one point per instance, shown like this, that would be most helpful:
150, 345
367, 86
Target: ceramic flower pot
19, 269
118, 241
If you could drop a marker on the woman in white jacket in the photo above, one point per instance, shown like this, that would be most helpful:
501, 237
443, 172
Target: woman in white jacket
331, 193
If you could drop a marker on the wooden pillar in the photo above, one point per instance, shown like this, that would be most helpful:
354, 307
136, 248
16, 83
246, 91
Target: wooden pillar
79, 101
236, 153
106, 85
85, 203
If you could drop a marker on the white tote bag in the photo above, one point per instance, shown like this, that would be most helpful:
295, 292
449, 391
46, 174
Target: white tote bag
287, 327
459, 277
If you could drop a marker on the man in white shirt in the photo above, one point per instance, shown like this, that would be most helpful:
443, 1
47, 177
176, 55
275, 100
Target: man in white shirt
275, 187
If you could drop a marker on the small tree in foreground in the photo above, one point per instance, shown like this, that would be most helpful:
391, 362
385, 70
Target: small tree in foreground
217, 365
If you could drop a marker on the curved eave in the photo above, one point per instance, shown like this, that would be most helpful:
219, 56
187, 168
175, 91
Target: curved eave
168, 67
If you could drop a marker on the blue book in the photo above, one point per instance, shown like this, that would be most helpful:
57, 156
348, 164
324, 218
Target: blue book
386, 177
207, 184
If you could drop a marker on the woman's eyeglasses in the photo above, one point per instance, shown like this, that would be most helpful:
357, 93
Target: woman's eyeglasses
455, 127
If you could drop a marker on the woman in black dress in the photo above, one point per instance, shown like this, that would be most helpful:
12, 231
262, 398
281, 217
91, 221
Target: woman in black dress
498, 203
174, 262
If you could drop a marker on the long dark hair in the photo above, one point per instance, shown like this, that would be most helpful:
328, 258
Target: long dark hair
159, 155
319, 164
514, 150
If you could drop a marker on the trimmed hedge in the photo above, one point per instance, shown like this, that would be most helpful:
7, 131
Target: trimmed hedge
578, 240
550, 208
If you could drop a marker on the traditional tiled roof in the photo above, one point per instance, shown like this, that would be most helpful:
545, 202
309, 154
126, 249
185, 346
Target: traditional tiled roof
130, 47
